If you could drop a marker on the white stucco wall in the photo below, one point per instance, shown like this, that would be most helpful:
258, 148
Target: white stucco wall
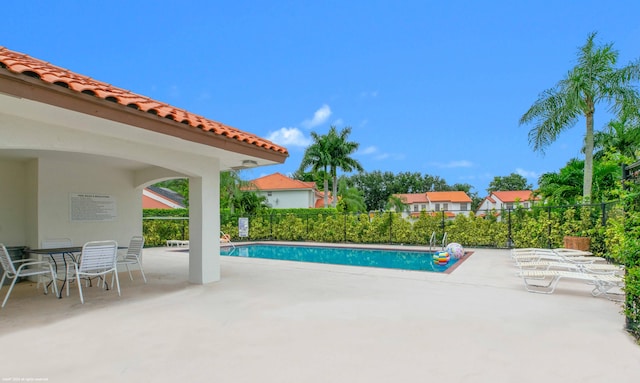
287, 199
59, 178
13, 214
50, 201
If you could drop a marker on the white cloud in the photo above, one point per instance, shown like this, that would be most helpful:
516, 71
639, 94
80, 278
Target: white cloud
368, 150
289, 137
527, 173
319, 117
453, 164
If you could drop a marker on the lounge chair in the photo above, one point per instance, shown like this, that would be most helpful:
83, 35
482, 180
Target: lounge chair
602, 283
535, 255
604, 268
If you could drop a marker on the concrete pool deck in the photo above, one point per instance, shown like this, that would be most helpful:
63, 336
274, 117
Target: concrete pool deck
277, 321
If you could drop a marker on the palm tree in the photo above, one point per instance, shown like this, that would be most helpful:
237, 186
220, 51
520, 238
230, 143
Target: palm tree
621, 135
340, 151
229, 189
351, 199
396, 204
593, 80
318, 157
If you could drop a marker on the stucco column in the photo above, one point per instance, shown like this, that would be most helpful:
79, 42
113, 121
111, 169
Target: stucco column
204, 226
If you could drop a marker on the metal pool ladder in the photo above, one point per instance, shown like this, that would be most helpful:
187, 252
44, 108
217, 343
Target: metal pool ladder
433, 239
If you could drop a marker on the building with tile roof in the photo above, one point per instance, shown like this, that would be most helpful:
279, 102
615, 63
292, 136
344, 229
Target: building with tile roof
283, 192
507, 200
154, 197
79, 152
451, 203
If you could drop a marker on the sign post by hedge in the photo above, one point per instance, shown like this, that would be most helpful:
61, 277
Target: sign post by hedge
243, 227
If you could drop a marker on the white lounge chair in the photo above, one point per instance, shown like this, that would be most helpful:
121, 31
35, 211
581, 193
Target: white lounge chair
602, 283
605, 268
26, 268
535, 255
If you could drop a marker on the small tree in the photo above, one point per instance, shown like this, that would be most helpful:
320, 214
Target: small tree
513, 181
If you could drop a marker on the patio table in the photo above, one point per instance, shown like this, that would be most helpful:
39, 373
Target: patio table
70, 252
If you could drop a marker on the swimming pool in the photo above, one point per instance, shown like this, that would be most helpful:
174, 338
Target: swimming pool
389, 259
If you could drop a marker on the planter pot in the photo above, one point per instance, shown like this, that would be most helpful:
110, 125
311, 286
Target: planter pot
577, 243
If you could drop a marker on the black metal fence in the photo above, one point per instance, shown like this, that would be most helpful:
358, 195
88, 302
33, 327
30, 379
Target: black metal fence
605, 225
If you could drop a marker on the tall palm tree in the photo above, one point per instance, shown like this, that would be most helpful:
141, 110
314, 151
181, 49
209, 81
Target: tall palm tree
592, 81
340, 151
318, 157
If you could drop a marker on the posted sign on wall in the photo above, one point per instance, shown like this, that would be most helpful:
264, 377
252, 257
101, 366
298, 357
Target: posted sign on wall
92, 207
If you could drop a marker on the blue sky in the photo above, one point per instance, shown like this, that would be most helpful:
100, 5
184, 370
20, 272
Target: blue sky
435, 87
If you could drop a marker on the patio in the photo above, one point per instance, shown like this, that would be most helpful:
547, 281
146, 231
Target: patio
276, 321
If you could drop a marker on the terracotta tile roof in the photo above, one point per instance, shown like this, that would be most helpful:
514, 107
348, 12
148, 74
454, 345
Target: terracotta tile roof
410, 198
19, 63
278, 181
515, 195
447, 214
448, 196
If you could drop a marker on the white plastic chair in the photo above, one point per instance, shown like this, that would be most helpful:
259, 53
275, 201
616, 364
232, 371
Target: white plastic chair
27, 268
98, 258
133, 257
59, 261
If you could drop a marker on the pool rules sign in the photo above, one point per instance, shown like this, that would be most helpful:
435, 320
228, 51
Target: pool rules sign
243, 227
92, 207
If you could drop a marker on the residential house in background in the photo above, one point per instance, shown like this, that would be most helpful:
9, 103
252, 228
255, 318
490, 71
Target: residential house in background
507, 200
154, 197
283, 192
451, 202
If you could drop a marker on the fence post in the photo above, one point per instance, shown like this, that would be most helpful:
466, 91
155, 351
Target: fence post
509, 240
390, 228
345, 226
549, 230
604, 213
271, 226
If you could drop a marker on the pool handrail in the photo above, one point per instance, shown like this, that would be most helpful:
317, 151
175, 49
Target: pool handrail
226, 238
432, 241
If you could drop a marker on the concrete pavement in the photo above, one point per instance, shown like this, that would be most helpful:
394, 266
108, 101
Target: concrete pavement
275, 321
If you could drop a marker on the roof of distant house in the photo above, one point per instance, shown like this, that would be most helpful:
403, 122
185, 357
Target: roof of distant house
448, 196
515, 195
278, 181
410, 198
154, 197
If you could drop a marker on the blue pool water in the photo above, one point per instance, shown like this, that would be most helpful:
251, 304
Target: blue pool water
389, 259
